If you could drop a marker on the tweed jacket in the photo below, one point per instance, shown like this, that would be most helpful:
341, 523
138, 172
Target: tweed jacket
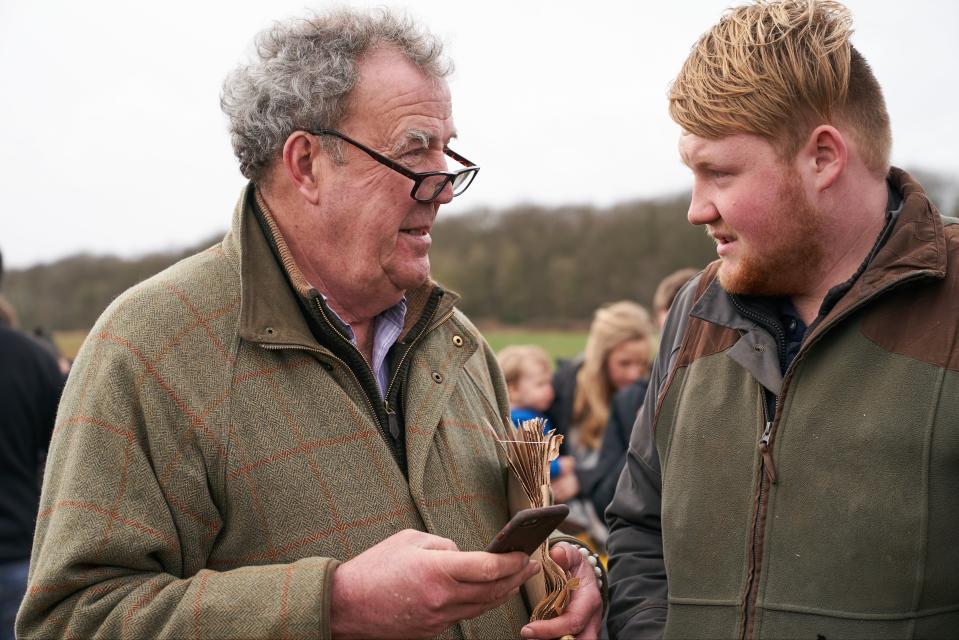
832, 513
213, 463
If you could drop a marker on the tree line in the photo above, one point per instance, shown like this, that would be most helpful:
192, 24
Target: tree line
548, 266
554, 266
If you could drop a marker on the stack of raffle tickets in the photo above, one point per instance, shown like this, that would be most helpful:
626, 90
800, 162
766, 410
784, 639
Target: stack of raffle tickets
529, 454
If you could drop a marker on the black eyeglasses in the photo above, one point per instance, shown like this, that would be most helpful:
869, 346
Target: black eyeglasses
427, 185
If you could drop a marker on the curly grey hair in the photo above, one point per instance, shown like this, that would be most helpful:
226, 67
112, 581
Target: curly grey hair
303, 72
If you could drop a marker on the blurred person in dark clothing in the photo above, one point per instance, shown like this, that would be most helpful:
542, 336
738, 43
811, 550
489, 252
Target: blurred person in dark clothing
600, 484
45, 338
30, 386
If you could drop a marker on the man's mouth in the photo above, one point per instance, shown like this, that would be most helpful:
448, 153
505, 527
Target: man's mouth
416, 231
722, 238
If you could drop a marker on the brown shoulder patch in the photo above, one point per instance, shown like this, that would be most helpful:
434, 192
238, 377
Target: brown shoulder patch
920, 319
700, 339
704, 338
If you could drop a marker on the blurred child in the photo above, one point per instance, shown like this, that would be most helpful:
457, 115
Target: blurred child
528, 371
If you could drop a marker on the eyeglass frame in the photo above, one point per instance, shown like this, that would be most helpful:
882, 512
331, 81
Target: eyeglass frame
416, 177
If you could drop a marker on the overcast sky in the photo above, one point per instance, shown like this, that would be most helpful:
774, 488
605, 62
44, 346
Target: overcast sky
113, 140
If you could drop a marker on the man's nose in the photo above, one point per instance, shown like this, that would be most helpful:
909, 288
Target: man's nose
446, 194
702, 210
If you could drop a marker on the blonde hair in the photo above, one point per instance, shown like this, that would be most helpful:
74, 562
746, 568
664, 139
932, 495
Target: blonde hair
778, 69
517, 360
612, 325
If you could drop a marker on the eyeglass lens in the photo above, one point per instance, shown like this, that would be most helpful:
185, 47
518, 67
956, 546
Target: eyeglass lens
432, 186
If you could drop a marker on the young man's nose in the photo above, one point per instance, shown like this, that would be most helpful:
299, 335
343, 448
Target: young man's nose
702, 210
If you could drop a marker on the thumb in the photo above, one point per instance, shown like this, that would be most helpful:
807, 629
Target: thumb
565, 555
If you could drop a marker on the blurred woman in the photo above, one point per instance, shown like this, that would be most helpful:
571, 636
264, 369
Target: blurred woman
619, 351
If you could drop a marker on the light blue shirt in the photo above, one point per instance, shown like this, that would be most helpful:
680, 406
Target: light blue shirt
387, 327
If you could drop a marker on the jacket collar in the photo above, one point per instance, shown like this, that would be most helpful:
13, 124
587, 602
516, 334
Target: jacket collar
269, 311
917, 242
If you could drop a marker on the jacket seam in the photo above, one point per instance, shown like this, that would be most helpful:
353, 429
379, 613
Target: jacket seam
230, 376
923, 556
861, 615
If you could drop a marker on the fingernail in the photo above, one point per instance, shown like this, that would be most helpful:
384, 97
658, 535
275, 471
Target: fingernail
527, 632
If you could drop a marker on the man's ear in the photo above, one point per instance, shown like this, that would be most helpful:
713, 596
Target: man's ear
824, 157
300, 154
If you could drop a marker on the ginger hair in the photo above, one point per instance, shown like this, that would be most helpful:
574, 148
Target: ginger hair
778, 69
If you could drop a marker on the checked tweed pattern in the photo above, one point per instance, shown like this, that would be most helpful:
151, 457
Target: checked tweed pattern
201, 484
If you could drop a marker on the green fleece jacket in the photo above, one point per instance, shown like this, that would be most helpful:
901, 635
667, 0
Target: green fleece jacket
212, 462
837, 515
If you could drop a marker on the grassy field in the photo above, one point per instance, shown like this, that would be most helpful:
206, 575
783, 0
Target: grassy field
559, 344
69, 342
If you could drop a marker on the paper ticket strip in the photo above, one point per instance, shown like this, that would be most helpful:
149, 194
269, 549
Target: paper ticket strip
529, 454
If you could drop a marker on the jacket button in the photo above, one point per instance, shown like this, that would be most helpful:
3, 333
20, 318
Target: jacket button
458, 341
437, 377
270, 331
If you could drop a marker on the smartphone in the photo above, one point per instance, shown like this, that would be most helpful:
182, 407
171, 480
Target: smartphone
527, 529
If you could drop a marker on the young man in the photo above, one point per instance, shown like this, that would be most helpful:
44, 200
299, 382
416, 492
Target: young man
793, 470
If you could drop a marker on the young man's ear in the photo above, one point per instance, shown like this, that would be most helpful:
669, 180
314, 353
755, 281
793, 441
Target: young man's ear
300, 154
824, 157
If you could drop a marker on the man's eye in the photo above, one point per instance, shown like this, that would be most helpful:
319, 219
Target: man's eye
413, 156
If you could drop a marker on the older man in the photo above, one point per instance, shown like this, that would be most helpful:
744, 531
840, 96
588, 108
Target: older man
288, 434
793, 472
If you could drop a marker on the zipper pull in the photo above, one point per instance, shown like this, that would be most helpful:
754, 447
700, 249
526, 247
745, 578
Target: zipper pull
767, 454
394, 424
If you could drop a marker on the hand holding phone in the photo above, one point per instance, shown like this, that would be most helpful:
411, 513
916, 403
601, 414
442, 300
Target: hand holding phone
528, 529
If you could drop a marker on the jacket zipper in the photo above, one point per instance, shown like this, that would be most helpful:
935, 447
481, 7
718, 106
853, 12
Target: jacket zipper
767, 477
391, 423
390, 413
761, 320
767, 469
319, 308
